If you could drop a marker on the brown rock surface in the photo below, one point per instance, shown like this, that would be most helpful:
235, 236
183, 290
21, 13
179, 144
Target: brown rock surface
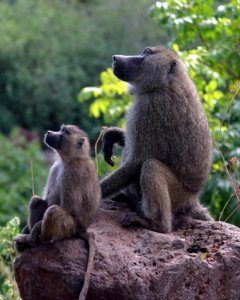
201, 260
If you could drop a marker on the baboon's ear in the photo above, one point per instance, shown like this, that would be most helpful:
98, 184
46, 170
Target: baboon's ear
172, 67
81, 142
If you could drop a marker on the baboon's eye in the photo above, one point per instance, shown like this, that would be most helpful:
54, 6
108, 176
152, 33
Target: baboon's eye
172, 67
80, 142
147, 51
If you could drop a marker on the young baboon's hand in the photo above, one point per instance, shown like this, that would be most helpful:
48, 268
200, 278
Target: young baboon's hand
20, 242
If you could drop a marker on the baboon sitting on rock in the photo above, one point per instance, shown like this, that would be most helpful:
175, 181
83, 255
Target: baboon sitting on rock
167, 143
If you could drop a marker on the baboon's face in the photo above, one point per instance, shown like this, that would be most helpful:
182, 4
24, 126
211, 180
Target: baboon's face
153, 68
67, 140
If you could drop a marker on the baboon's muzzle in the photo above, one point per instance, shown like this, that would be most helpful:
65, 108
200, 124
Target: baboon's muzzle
53, 139
127, 68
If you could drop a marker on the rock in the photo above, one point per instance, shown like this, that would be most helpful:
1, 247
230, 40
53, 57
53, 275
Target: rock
201, 260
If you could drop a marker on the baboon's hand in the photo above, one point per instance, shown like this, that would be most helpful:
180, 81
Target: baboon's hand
112, 136
21, 243
108, 150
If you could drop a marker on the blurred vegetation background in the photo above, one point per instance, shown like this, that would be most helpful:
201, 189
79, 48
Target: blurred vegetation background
55, 59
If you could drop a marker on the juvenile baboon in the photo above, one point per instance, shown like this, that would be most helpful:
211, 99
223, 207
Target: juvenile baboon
167, 144
71, 196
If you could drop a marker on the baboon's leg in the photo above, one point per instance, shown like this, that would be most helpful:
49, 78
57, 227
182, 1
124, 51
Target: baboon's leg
37, 208
161, 190
57, 224
156, 180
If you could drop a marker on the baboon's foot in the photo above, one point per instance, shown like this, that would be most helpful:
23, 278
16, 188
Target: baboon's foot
133, 218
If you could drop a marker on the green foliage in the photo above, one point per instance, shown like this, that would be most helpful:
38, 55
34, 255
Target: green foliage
48, 49
8, 288
15, 175
107, 97
207, 37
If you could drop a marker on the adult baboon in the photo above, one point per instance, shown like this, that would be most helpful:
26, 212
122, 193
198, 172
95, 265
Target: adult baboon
167, 144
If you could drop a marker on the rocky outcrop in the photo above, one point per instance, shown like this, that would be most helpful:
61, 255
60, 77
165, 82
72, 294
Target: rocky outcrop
201, 260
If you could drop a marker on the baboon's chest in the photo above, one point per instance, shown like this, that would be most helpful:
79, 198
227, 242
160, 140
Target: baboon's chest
54, 192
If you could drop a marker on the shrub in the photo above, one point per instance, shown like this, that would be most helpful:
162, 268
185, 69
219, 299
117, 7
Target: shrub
50, 49
8, 287
15, 175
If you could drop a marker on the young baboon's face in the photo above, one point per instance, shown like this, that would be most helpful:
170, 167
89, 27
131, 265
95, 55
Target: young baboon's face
154, 68
69, 140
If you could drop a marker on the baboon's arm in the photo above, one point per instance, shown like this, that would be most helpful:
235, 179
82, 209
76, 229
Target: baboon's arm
120, 178
34, 235
25, 230
112, 136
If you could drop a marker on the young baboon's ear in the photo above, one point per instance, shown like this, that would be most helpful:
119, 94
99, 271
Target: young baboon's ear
172, 67
81, 142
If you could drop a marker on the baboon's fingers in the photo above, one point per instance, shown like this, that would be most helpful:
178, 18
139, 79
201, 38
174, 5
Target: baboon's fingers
108, 152
129, 219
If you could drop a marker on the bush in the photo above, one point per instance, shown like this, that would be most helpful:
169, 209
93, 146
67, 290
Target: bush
50, 49
8, 287
15, 175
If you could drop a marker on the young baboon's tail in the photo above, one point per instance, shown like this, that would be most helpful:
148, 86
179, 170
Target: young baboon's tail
89, 238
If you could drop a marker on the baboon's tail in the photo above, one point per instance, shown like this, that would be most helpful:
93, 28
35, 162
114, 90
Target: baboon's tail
89, 238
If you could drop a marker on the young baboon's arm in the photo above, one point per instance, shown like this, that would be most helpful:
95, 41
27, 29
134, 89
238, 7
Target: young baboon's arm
112, 136
120, 178
25, 230
23, 241
34, 235
37, 207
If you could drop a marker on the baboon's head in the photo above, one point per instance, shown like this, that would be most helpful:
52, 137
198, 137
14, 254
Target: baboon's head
155, 68
69, 141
